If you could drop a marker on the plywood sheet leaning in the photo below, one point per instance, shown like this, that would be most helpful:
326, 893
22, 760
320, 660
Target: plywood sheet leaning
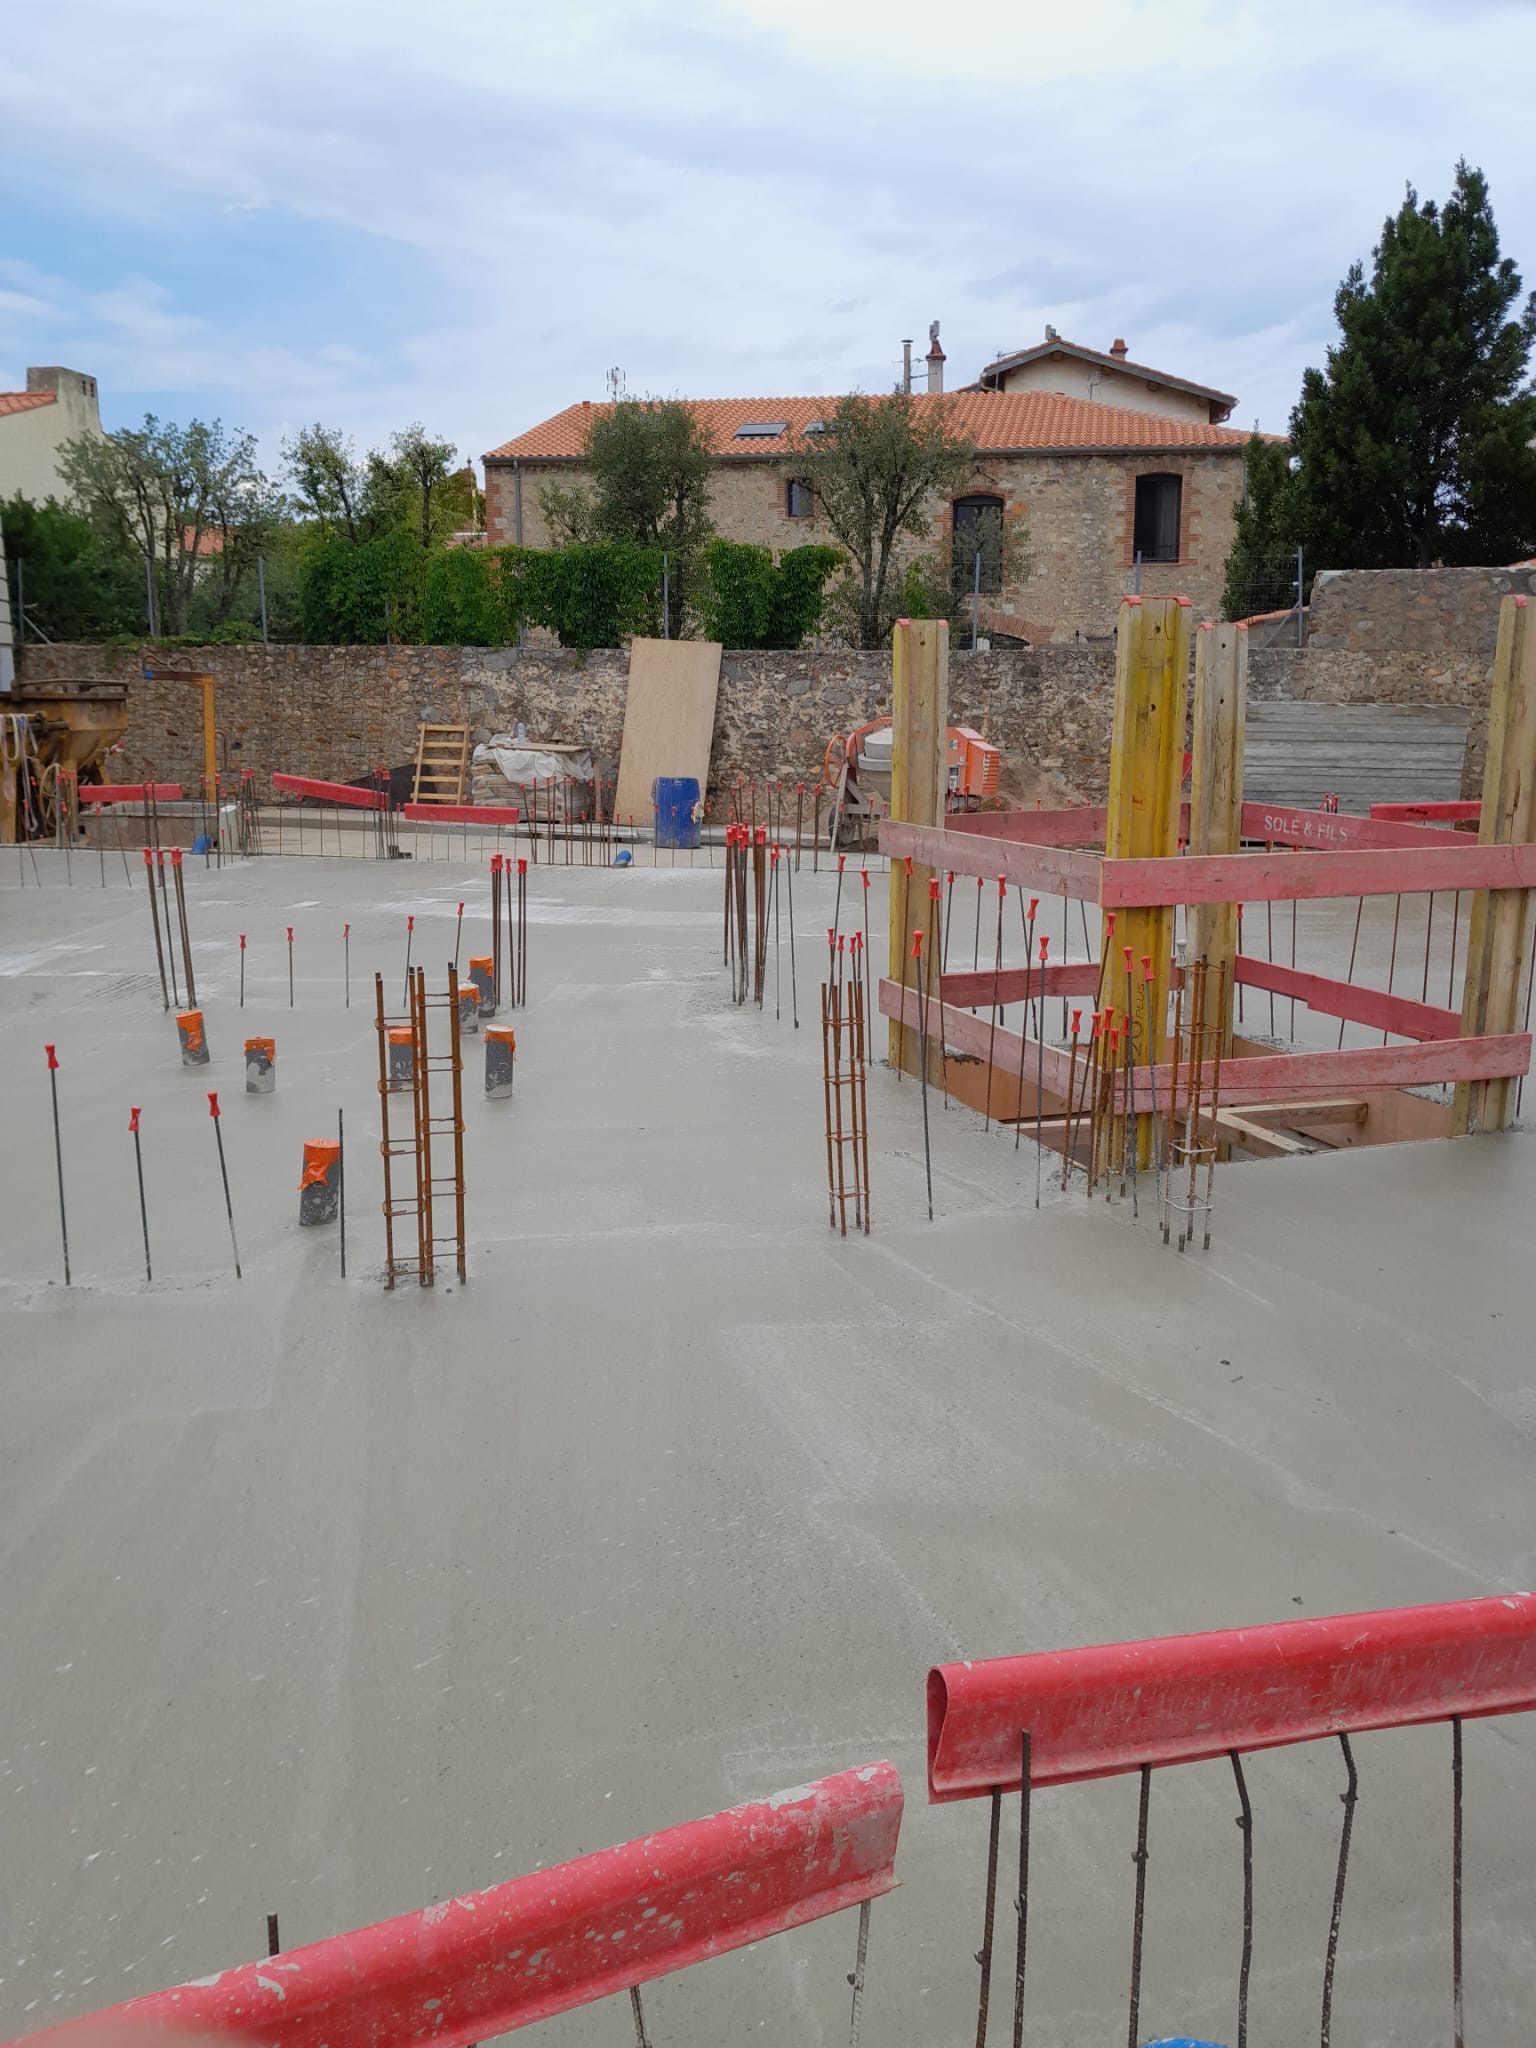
669, 719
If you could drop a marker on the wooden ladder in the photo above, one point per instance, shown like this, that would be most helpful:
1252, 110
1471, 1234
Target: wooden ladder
442, 764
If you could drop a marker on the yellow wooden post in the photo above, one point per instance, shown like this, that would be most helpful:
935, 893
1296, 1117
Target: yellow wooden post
1497, 934
1216, 788
920, 730
1146, 759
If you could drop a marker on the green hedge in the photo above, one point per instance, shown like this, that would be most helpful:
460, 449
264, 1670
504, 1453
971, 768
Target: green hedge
752, 601
595, 594
358, 594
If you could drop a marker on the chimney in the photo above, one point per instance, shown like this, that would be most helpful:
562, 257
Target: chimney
1118, 347
906, 365
1050, 332
935, 359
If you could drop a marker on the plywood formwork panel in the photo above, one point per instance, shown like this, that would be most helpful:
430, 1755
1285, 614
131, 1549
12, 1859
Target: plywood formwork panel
669, 719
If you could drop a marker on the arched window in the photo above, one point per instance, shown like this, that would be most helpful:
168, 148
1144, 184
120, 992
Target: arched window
1159, 502
978, 533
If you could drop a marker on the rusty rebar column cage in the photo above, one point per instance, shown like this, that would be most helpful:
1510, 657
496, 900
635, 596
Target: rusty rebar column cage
427, 1186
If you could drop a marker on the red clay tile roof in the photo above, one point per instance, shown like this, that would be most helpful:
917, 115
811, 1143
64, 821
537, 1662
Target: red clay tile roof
1000, 423
25, 401
1113, 362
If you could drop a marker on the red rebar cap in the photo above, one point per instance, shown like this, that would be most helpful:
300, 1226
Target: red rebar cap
917, 944
133, 1120
213, 1102
175, 856
53, 1058
242, 942
410, 924
290, 935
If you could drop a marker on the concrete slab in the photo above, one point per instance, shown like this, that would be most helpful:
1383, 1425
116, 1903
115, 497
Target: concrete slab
329, 1602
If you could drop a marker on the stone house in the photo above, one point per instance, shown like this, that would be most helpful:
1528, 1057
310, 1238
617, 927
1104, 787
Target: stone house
56, 406
1102, 459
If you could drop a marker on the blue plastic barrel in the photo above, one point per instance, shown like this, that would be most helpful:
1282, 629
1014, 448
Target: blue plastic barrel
676, 798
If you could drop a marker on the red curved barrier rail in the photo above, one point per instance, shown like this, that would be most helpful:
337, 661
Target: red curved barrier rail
1182, 1699
331, 792
496, 1960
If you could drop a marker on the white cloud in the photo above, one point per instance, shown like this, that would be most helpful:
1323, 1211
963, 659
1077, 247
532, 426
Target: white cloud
725, 195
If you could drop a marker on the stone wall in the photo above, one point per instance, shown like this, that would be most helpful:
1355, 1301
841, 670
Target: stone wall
333, 712
1425, 613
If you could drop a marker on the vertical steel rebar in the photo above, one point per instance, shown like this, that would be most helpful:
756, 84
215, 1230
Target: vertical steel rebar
1138, 1922
229, 1207
922, 1029
861, 1956
138, 1162
341, 1189
997, 971
1347, 1799
1354, 942
58, 1151
1456, 1848
1245, 1966
154, 911
1021, 1901
984, 1953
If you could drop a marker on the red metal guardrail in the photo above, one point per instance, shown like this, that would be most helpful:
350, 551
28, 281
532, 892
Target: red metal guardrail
493, 1961
1180, 1699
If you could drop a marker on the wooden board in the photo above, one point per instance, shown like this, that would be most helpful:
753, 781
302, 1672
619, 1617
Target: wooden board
1298, 752
669, 720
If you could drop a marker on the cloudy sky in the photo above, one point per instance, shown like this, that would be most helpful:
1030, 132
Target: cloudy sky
368, 212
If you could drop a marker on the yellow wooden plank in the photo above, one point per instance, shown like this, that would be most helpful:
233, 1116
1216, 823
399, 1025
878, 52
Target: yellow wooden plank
920, 732
1146, 759
1216, 788
1494, 988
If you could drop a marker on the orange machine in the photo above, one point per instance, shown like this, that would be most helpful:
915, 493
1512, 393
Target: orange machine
971, 765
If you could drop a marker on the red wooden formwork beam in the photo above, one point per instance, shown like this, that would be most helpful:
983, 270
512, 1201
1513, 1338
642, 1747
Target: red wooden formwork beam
462, 814
1332, 831
1454, 813
1049, 870
1332, 998
1083, 826
497, 1960
1098, 1712
1287, 877
332, 792
1011, 1052
1014, 984
129, 792
1314, 1076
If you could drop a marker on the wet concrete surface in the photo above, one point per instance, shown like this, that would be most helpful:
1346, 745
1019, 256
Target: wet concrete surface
330, 1602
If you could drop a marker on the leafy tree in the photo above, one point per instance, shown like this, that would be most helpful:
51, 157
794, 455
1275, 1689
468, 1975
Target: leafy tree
1413, 445
1262, 562
410, 487
329, 483
190, 500
648, 467
78, 578
875, 471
